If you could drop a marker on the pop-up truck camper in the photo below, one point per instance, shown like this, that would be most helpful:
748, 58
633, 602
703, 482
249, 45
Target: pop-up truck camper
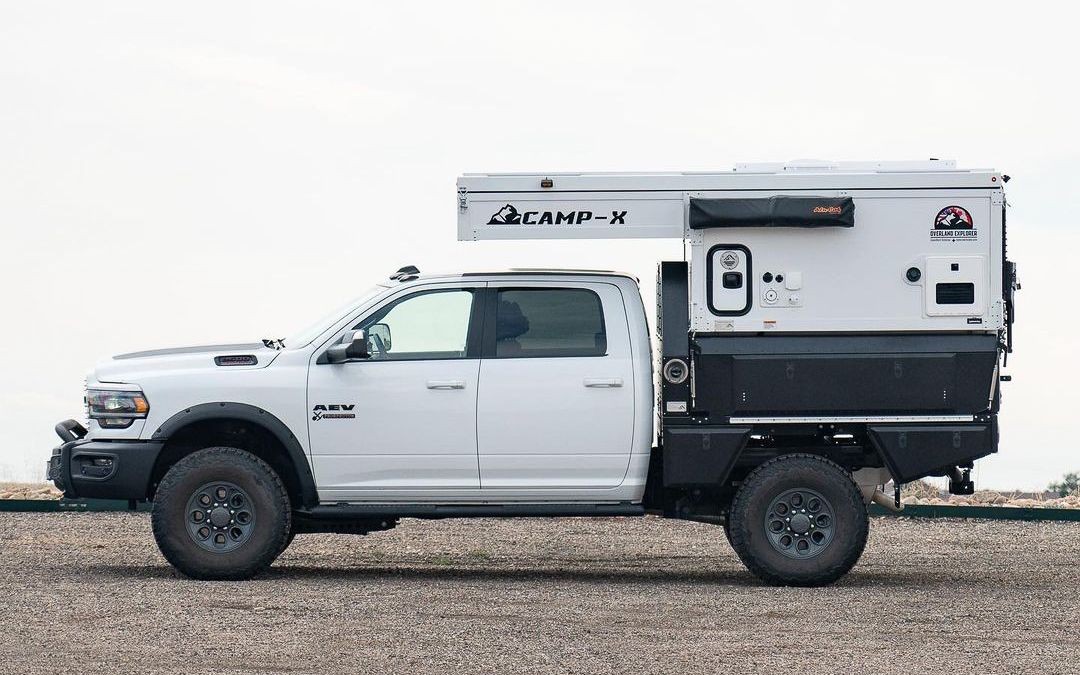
832, 329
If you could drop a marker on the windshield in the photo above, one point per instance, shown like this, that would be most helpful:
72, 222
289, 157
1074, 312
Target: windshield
302, 338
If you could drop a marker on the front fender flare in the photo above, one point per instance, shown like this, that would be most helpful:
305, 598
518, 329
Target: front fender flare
248, 413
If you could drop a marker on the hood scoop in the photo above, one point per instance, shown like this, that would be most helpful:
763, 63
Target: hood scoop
237, 360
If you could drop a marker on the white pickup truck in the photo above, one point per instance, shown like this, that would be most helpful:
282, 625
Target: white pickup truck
834, 329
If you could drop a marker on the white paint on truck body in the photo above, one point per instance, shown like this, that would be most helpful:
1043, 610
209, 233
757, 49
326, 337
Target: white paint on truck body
430, 430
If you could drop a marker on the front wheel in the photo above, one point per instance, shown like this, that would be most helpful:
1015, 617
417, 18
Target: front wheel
799, 520
221, 513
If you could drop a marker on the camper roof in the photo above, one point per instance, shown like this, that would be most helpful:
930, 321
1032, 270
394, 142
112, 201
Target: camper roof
798, 175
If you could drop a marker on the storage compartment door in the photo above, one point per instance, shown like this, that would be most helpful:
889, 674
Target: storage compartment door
956, 286
729, 279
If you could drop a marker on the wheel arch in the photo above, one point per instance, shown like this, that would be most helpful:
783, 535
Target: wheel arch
243, 426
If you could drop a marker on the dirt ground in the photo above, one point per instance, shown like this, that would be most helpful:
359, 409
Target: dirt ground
89, 593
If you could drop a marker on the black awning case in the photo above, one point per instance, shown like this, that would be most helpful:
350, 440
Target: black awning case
772, 212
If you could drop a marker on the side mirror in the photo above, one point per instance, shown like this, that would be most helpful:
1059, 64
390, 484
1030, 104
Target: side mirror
378, 336
353, 347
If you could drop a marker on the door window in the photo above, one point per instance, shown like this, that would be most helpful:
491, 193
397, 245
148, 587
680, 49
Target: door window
431, 325
538, 322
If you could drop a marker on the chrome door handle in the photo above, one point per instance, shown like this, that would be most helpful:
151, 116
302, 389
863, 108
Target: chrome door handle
603, 382
446, 384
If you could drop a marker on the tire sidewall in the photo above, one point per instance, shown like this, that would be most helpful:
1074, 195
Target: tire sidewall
850, 521
264, 491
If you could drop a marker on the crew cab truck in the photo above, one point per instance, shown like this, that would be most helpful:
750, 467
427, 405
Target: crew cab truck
832, 328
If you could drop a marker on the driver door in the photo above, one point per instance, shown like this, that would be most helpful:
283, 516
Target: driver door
401, 423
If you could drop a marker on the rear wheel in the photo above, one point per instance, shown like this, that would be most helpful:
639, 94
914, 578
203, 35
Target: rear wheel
798, 520
221, 513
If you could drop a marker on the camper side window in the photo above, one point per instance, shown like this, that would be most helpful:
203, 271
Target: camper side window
549, 322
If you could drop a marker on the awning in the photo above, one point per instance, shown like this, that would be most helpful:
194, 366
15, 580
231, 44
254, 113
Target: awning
772, 212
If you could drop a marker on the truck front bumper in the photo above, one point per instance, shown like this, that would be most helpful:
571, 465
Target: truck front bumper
119, 469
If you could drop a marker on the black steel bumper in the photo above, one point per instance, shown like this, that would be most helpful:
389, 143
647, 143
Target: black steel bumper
116, 469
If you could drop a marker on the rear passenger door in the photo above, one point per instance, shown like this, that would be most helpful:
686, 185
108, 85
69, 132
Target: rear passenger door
556, 397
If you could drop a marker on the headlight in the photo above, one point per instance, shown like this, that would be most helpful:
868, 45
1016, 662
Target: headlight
116, 409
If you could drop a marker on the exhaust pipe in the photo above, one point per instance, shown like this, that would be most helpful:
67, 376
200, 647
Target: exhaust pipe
885, 501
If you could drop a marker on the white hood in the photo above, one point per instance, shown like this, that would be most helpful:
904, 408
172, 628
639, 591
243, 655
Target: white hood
128, 368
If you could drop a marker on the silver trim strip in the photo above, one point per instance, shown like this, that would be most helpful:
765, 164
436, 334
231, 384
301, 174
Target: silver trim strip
832, 420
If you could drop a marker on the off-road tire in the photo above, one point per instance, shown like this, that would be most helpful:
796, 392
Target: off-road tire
288, 540
269, 533
747, 520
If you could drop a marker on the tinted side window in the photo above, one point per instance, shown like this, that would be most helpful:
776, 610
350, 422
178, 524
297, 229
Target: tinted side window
549, 322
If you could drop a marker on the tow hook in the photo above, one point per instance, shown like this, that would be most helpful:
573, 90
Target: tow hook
960, 482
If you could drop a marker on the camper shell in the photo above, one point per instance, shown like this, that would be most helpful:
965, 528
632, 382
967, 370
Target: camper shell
859, 310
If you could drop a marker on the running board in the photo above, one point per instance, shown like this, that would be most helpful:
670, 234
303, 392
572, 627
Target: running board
350, 511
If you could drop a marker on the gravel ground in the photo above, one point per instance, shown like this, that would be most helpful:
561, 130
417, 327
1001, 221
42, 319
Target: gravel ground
84, 593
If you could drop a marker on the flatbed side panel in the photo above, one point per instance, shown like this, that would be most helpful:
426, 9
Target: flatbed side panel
914, 451
697, 456
844, 375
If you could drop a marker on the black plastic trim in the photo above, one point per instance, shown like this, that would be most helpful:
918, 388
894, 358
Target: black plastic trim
346, 511
247, 413
133, 463
749, 280
225, 360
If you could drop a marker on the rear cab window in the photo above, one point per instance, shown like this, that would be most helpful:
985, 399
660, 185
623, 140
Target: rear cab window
549, 322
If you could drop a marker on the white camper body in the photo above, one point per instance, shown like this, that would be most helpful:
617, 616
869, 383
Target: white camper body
942, 222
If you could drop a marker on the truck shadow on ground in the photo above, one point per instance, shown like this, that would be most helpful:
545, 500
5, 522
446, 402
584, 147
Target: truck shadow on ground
421, 572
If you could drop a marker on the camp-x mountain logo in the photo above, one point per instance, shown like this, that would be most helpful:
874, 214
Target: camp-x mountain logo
333, 411
509, 215
954, 223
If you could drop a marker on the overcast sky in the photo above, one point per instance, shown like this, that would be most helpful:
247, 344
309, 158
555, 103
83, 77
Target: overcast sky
187, 173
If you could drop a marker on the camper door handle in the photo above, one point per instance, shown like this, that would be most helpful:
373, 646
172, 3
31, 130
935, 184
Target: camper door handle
445, 384
603, 382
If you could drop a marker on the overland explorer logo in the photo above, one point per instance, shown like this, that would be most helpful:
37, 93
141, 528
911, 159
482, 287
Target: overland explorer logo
954, 223
509, 215
332, 412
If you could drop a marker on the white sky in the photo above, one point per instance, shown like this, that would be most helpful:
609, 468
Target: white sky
188, 173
